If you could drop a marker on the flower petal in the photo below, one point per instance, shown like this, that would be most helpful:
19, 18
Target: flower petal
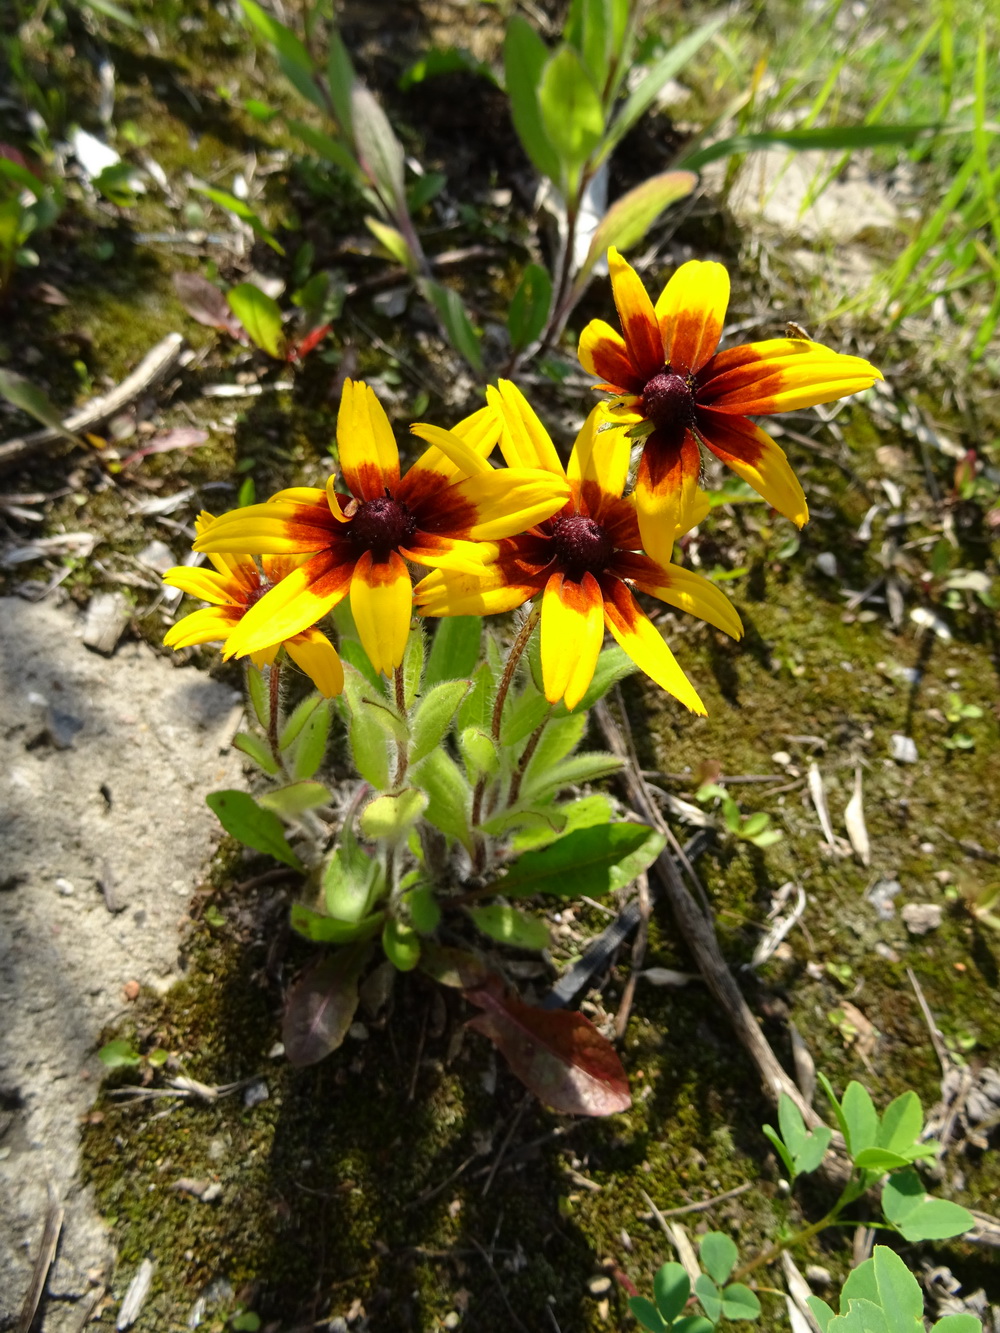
478, 432
640, 327
500, 503
447, 553
278, 528
755, 457
572, 634
644, 643
449, 449
211, 624
598, 465
382, 603
779, 375
301, 495
691, 311
208, 584
315, 654
292, 605
602, 352
524, 441
502, 586
665, 493
369, 459
684, 589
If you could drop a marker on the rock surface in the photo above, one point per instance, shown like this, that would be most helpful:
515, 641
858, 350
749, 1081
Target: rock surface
104, 834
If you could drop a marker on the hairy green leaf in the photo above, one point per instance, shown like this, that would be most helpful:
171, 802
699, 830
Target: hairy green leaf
241, 816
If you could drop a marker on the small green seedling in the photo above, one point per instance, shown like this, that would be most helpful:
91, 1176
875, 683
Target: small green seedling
755, 828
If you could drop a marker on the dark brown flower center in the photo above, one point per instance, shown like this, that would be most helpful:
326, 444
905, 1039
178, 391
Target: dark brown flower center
668, 401
582, 546
382, 525
264, 585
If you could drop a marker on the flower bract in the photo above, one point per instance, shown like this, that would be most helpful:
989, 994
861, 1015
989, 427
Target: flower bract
674, 388
583, 561
233, 588
358, 541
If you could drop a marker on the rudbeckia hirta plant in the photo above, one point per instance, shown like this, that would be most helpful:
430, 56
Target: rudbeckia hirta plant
675, 390
233, 587
358, 541
583, 562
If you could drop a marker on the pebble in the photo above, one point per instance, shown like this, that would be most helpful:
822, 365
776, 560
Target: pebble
902, 748
599, 1286
452, 1319
65, 887
255, 1094
817, 1276
358, 1032
919, 918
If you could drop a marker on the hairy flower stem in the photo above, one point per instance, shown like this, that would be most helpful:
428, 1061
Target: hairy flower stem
525, 760
402, 746
273, 712
510, 667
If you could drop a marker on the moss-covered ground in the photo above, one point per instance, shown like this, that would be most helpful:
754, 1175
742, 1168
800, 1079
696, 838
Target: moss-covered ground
409, 1174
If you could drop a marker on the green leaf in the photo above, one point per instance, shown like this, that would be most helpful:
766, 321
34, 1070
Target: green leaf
115, 12
401, 944
367, 738
590, 29
523, 714
295, 61
572, 115
33, 400
476, 708
413, 663
479, 752
792, 1125
351, 880
454, 652
899, 1291
822, 1313
422, 905
586, 767
591, 861
308, 750
879, 1159
290, 801
646, 1313
257, 749
293, 727
772, 1135
902, 1122
851, 137
242, 210
958, 1323
119, 1055
671, 1289
529, 306
392, 817
710, 1296
351, 651
525, 56
323, 929
919, 1216
860, 1117
815, 1150
395, 244
739, 1302
260, 315
755, 824
584, 813
692, 1323
433, 716
455, 320
326, 147
341, 78
524, 815
247, 1322
379, 151
629, 218
668, 65
559, 739
241, 816
449, 795
507, 925
718, 1255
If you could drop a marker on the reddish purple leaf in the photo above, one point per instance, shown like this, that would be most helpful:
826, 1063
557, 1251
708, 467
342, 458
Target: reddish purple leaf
207, 304
305, 345
321, 1005
559, 1056
181, 437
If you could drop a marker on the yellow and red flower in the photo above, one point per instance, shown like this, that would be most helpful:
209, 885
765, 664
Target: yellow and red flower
584, 562
358, 542
679, 392
233, 587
